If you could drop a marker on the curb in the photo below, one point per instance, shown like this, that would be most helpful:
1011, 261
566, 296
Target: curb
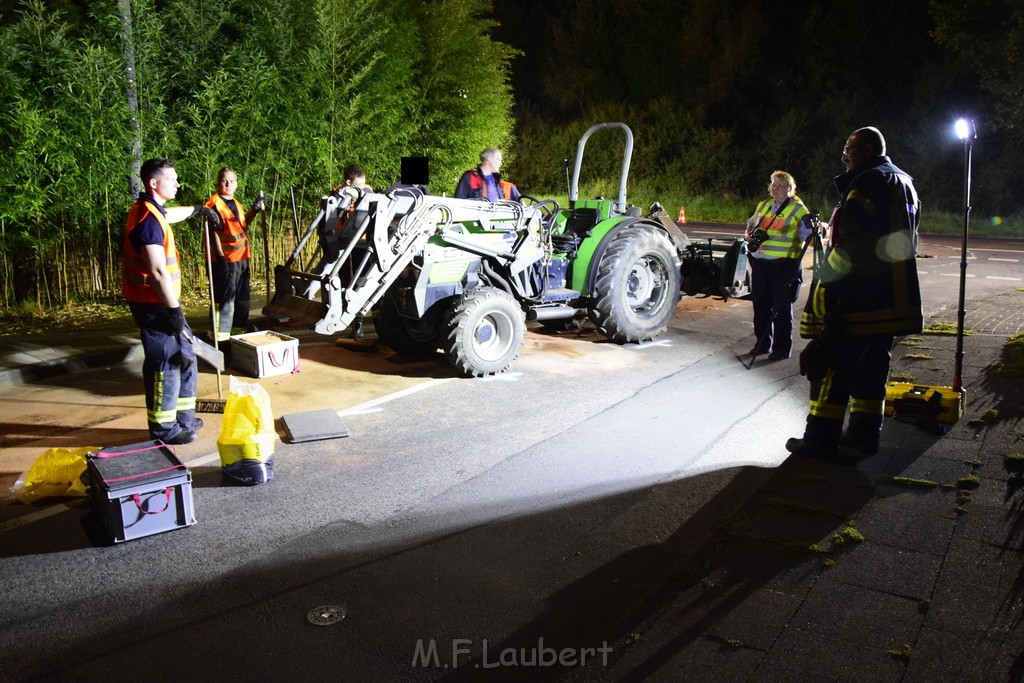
10, 377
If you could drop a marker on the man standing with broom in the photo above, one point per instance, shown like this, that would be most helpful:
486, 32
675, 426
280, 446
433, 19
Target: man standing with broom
229, 255
151, 282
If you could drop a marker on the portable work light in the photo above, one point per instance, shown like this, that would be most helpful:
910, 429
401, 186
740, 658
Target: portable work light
965, 131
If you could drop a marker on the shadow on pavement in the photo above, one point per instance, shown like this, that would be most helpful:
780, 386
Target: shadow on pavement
732, 575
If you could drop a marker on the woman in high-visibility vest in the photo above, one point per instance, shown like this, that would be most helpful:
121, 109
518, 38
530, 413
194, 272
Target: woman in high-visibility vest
775, 235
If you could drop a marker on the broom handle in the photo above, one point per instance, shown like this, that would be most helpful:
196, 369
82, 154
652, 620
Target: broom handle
213, 307
266, 248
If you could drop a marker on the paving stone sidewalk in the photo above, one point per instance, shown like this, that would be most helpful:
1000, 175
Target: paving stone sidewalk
908, 566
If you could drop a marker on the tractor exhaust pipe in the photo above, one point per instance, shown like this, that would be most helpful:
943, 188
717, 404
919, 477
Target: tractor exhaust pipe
560, 312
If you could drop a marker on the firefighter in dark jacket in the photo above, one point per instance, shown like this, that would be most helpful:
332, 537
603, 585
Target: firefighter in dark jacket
484, 181
151, 282
229, 246
866, 293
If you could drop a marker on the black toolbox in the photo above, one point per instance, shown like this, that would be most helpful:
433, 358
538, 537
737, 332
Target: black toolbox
139, 490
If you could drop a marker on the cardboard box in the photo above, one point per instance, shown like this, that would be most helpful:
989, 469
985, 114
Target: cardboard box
908, 400
264, 354
139, 490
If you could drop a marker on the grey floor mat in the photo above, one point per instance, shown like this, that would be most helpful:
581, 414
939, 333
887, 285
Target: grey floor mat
314, 425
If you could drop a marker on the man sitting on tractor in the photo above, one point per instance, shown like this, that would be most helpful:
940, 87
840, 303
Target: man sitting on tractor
484, 181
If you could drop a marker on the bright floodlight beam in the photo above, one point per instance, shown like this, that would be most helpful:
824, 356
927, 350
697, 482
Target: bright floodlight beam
964, 129
966, 132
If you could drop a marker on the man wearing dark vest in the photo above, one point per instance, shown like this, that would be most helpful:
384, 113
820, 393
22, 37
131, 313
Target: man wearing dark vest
151, 282
865, 293
484, 181
229, 246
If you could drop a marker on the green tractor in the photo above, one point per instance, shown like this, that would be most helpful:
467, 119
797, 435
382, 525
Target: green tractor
464, 276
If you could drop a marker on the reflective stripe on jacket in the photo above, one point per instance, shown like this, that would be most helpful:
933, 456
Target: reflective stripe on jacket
136, 277
783, 229
233, 239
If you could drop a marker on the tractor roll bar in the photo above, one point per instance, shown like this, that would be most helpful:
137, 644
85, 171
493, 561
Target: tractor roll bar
627, 154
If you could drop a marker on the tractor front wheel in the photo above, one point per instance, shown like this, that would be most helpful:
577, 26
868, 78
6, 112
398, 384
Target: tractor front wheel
413, 337
637, 286
486, 328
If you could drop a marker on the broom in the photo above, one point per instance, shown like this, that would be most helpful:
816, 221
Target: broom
209, 405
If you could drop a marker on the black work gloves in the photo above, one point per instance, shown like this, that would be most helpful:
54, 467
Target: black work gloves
209, 214
176, 320
814, 359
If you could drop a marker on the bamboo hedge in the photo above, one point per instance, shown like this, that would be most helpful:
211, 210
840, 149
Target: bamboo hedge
287, 92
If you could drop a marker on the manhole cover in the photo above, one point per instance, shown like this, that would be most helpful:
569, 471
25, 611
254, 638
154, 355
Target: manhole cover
325, 615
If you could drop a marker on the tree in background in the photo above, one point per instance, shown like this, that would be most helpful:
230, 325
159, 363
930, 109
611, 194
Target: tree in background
732, 89
286, 91
467, 101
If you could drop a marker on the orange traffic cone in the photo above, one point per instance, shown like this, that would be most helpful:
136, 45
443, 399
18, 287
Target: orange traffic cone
682, 215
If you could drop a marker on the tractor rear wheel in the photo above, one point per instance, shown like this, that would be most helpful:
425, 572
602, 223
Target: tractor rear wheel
637, 286
413, 337
486, 328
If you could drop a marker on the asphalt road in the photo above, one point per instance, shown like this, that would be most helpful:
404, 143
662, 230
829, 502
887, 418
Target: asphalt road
459, 518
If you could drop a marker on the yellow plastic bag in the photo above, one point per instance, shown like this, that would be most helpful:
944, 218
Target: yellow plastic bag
247, 431
57, 473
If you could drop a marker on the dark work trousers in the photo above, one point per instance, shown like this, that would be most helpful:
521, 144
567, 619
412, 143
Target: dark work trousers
856, 378
231, 294
774, 283
168, 373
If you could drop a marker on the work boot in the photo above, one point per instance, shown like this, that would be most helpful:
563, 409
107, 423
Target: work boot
181, 438
805, 448
861, 443
863, 433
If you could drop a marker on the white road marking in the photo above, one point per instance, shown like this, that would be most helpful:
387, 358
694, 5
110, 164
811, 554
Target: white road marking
954, 275
1004, 260
648, 344
997, 277
391, 397
503, 377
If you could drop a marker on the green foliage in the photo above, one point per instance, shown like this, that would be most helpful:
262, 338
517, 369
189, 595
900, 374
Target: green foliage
987, 33
287, 92
1013, 357
848, 534
908, 481
728, 102
1014, 463
906, 652
797, 548
969, 481
989, 417
944, 329
465, 102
